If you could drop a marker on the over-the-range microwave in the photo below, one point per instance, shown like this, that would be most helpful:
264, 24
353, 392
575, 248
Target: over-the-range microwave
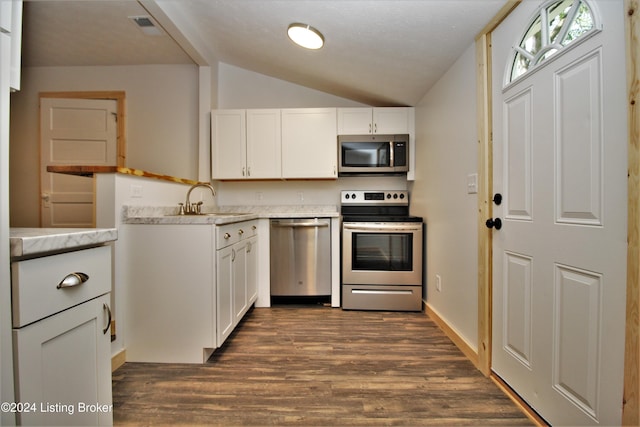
373, 154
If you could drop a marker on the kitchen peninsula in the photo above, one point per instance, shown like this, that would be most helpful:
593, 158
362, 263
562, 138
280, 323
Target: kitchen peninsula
138, 202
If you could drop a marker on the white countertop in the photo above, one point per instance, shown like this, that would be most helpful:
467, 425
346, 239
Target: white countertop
227, 214
34, 241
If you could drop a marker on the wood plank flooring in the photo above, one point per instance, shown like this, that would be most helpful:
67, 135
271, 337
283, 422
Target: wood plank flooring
321, 366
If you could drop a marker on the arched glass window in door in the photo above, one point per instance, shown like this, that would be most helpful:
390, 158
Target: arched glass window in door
557, 24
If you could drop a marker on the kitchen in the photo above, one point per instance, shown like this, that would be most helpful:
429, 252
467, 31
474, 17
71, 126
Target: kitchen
439, 192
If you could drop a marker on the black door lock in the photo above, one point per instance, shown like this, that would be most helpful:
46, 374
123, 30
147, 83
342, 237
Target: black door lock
491, 223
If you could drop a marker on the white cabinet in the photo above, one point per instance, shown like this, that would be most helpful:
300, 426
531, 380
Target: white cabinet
63, 367
245, 144
228, 144
170, 297
385, 120
62, 344
184, 291
263, 144
309, 143
236, 271
11, 23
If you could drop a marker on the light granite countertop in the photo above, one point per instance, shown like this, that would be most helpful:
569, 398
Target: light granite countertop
223, 214
35, 241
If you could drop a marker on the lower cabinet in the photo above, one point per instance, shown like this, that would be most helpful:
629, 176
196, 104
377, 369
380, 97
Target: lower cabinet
236, 274
182, 290
63, 364
61, 338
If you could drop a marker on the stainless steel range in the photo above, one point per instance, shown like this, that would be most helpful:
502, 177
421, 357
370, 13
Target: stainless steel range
381, 252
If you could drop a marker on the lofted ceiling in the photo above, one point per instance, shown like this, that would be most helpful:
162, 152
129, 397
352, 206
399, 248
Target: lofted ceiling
378, 52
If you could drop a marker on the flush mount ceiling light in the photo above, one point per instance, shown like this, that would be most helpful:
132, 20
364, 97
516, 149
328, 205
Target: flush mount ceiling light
306, 36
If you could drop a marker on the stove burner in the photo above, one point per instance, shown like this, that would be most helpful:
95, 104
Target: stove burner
376, 206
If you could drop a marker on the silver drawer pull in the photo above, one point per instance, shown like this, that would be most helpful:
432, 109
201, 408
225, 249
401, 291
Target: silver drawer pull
73, 279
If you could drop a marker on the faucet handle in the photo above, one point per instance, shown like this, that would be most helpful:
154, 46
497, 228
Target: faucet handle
180, 208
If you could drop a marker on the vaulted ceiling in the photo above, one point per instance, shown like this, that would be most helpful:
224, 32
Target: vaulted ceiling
379, 52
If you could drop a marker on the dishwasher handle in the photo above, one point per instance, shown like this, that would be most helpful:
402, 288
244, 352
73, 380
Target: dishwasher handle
299, 224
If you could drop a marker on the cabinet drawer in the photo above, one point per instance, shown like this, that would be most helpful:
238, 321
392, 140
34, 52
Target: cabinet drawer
229, 234
36, 283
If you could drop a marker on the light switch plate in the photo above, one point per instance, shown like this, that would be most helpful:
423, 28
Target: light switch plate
472, 183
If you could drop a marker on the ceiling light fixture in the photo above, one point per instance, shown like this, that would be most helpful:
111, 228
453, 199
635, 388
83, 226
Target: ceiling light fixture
306, 36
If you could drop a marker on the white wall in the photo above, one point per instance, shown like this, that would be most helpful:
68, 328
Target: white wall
240, 88
446, 153
161, 129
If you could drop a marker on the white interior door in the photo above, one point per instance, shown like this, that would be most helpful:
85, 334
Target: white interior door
559, 260
73, 132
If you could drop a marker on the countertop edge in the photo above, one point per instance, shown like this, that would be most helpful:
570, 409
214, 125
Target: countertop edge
132, 214
35, 241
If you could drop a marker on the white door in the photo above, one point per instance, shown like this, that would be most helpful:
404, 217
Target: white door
559, 260
73, 132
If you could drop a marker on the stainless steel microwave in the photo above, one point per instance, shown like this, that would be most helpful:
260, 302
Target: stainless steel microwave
373, 154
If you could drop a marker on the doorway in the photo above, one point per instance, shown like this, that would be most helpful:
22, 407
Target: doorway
77, 129
486, 131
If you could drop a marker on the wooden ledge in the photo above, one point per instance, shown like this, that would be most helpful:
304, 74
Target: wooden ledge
89, 171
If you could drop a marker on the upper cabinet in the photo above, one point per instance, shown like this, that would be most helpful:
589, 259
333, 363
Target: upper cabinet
296, 143
11, 23
386, 120
245, 144
309, 143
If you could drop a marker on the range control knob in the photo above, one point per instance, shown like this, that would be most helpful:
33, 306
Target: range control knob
346, 196
388, 195
401, 196
395, 195
353, 196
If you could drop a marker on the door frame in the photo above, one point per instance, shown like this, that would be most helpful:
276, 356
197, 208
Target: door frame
120, 98
484, 69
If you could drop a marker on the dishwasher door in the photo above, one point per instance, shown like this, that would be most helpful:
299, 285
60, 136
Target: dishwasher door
300, 257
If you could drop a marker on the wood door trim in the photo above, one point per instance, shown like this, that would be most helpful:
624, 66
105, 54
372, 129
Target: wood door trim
120, 98
484, 119
631, 398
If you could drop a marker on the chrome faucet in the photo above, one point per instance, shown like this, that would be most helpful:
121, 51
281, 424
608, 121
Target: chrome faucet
194, 208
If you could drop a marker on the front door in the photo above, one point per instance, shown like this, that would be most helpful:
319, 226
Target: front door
559, 260
74, 132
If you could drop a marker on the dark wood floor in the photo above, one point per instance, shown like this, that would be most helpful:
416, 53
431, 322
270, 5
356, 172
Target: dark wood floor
314, 365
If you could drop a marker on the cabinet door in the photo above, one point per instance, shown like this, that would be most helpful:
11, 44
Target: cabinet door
264, 144
355, 121
309, 143
252, 270
228, 144
224, 276
392, 120
65, 360
240, 280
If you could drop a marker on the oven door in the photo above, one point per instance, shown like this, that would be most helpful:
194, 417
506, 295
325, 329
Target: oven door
377, 253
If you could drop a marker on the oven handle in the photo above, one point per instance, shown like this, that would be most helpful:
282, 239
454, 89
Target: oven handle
379, 227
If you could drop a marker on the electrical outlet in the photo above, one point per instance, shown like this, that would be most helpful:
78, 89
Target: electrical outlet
258, 196
438, 283
135, 191
301, 196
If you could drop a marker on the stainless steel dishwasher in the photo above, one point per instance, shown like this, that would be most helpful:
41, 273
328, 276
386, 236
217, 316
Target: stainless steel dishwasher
300, 257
